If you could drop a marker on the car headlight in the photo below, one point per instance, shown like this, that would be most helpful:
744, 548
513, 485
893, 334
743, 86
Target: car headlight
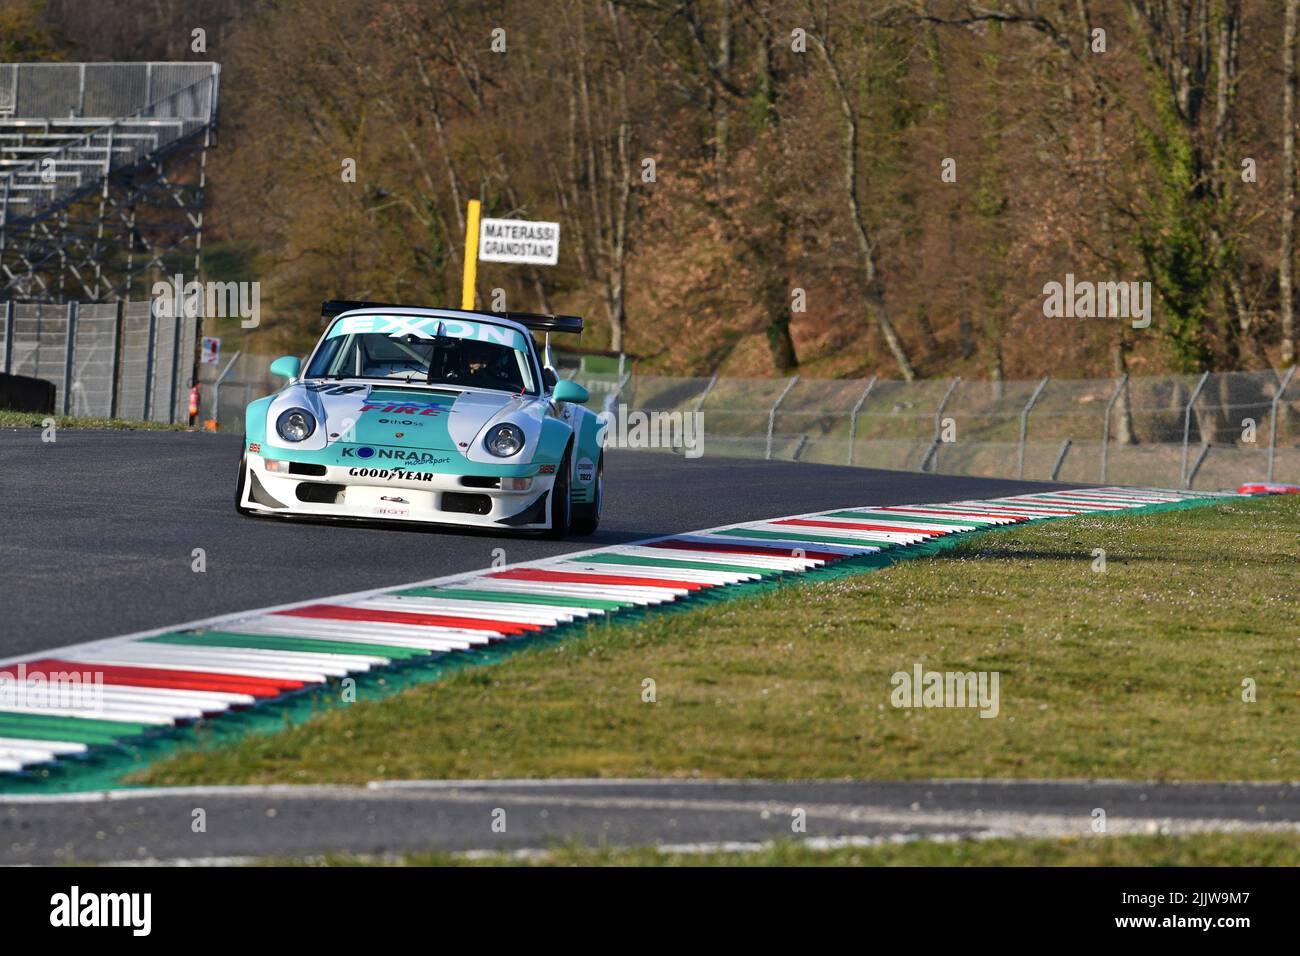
296, 424
504, 440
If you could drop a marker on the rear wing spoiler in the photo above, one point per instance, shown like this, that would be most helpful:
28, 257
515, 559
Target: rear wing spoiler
538, 322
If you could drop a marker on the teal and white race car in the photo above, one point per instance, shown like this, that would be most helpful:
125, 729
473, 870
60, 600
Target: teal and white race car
426, 415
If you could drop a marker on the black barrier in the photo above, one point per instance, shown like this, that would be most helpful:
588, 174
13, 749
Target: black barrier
21, 393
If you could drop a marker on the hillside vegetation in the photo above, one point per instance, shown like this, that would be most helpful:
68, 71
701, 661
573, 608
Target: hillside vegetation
754, 187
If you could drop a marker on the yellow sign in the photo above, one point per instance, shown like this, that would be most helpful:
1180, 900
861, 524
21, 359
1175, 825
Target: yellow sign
471, 255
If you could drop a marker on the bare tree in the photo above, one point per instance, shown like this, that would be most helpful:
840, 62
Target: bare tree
873, 284
1286, 252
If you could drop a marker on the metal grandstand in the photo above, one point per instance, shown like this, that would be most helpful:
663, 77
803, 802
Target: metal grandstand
102, 173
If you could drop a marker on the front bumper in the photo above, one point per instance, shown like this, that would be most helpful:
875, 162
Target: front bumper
392, 494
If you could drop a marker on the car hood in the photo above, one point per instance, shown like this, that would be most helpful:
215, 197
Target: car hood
434, 419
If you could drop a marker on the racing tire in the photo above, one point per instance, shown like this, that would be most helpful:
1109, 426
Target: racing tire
561, 501
586, 517
239, 486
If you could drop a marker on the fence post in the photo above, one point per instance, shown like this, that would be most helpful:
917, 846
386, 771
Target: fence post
1205, 450
933, 450
771, 416
611, 400
853, 416
1273, 418
1105, 425
177, 330
9, 337
1060, 458
705, 394
4, 214
1024, 425
1187, 421
67, 358
148, 363
216, 388
116, 377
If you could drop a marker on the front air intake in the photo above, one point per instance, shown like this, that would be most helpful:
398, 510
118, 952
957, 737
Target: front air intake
319, 493
462, 503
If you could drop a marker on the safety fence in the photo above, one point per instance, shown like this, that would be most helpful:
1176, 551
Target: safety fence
1209, 430
1214, 430
226, 388
106, 360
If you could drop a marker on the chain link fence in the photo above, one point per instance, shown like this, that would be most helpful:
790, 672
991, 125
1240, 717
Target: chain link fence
1211, 430
105, 360
1208, 431
226, 388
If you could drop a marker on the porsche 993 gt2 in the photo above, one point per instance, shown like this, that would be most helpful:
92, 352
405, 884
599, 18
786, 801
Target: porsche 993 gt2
437, 416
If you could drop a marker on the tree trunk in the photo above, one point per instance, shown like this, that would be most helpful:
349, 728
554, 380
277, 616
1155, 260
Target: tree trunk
1124, 405
874, 292
776, 305
1286, 253
721, 119
927, 330
617, 314
769, 250
784, 359
966, 331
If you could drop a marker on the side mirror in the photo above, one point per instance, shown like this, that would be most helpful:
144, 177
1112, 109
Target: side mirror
287, 366
566, 391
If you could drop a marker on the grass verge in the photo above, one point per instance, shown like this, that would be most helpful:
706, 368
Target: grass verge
11, 419
1210, 849
1136, 671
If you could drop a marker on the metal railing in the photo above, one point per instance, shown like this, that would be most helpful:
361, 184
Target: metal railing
51, 92
1219, 430
1237, 427
55, 176
105, 359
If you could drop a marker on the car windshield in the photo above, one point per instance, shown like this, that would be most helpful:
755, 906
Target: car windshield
463, 363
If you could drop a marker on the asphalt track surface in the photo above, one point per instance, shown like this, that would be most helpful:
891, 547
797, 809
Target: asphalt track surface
457, 816
98, 528
97, 532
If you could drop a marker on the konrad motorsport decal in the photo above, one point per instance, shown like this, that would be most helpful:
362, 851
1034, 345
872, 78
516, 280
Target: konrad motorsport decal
394, 454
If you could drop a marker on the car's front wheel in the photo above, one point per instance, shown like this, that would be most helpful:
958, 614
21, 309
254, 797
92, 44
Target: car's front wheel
561, 501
